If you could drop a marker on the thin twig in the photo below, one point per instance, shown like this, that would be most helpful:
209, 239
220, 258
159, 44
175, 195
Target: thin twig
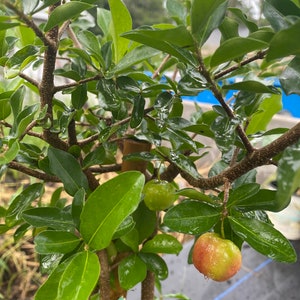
29, 79
33, 173
77, 83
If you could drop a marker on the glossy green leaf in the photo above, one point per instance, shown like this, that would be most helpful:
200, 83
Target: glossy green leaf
18, 58
242, 17
263, 200
157, 39
145, 220
242, 192
52, 217
9, 154
270, 105
191, 217
77, 206
67, 168
91, 43
111, 202
277, 12
79, 96
155, 264
132, 270
235, 48
22, 202
52, 241
196, 195
290, 77
288, 176
125, 227
131, 239
229, 28
252, 86
162, 243
121, 22
24, 118
74, 279
104, 20
176, 10
137, 114
206, 16
65, 12
134, 57
96, 157
5, 108
264, 238
285, 43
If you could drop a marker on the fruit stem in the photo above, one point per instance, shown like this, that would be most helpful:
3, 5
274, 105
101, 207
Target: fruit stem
224, 205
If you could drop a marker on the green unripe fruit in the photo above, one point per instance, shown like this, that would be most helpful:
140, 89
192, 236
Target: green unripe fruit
159, 194
215, 257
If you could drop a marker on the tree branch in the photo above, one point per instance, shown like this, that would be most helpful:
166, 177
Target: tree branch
255, 159
215, 90
77, 83
33, 173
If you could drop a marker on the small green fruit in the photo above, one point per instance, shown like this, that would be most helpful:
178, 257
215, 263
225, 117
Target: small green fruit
159, 194
215, 257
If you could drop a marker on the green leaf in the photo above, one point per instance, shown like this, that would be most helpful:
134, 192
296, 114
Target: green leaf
157, 39
277, 13
5, 108
285, 43
49, 217
162, 243
135, 56
242, 17
22, 202
290, 77
65, 12
263, 200
252, 86
24, 118
235, 48
131, 239
156, 264
104, 20
67, 168
18, 58
191, 217
145, 220
132, 270
270, 105
121, 22
79, 96
196, 195
52, 241
137, 114
111, 202
206, 16
125, 227
288, 176
91, 43
176, 10
264, 238
77, 206
9, 154
242, 192
74, 279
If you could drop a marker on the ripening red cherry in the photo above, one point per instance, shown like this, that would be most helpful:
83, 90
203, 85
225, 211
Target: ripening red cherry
215, 257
